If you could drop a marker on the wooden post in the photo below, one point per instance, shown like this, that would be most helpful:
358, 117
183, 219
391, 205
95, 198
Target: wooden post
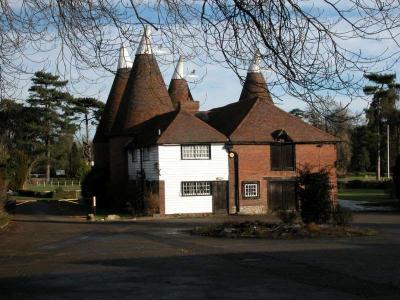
94, 205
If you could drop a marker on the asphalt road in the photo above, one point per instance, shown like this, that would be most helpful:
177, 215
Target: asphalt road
51, 252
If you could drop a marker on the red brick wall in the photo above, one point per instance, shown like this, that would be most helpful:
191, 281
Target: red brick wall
101, 155
118, 159
254, 165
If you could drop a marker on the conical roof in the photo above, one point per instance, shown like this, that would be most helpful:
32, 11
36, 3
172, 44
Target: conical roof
114, 97
254, 85
124, 61
145, 95
179, 90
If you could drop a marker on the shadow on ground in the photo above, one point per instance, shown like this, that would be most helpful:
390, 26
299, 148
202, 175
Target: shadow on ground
247, 275
50, 207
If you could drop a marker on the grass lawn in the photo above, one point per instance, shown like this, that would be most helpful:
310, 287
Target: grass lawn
49, 188
364, 195
367, 176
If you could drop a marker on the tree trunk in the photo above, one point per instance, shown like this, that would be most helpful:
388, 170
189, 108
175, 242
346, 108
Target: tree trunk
89, 158
48, 164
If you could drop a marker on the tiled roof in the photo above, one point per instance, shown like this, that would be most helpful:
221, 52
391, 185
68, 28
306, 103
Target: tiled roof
112, 105
176, 127
254, 86
145, 95
256, 121
181, 96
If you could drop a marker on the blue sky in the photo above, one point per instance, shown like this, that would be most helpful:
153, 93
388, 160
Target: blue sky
218, 85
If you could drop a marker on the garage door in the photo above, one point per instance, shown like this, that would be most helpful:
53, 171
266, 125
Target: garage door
282, 195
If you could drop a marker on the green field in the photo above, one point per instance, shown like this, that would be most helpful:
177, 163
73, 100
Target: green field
364, 194
49, 188
366, 176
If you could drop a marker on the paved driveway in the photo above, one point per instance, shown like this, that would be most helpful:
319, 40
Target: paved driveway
47, 256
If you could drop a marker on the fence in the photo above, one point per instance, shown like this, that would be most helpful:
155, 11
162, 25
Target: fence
55, 182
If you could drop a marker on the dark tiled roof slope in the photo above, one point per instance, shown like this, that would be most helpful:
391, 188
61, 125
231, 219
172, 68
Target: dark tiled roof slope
176, 127
256, 120
227, 118
145, 95
254, 86
112, 105
179, 91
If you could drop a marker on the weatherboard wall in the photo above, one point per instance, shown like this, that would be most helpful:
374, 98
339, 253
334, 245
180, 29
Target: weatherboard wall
174, 170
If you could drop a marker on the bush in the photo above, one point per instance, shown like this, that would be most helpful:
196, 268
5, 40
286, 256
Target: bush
95, 183
314, 193
396, 178
287, 216
369, 184
62, 194
341, 216
83, 169
18, 168
29, 193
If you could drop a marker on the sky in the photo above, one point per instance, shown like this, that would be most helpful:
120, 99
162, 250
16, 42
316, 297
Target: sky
215, 85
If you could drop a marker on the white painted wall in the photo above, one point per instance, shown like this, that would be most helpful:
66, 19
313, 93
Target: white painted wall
174, 170
150, 166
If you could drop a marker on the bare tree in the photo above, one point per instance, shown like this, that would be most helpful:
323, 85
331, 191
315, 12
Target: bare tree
309, 47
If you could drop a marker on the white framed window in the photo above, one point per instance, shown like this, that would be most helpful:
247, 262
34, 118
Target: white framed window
251, 189
146, 154
196, 151
196, 188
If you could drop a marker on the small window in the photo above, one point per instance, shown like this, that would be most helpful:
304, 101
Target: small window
146, 154
196, 188
251, 190
282, 157
196, 151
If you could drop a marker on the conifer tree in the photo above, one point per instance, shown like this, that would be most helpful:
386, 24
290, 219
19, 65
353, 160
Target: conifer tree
47, 96
87, 112
383, 107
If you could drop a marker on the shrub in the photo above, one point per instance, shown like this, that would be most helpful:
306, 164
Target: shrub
287, 216
83, 169
314, 193
62, 194
18, 168
370, 184
3, 182
341, 216
95, 183
29, 193
396, 178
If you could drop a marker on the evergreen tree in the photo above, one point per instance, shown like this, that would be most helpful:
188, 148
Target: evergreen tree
363, 149
47, 97
87, 112
382, 110
75, 159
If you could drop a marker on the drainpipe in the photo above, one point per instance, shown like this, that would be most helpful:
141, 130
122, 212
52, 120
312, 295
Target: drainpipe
235, 156
141, 180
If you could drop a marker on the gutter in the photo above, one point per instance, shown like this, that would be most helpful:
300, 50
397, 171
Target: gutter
235, 156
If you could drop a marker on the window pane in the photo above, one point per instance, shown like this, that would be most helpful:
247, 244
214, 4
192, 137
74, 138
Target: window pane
196, 152
196, 188
250, 190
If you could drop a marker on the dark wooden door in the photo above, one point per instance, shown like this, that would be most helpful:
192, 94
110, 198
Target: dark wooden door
282, 195
220, 192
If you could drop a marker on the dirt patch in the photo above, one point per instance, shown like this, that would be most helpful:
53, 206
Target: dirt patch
259, 229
